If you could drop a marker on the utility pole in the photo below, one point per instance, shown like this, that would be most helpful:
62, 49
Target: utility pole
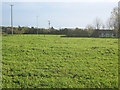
37, 23
118, 40
118, 20
49, 23
11, 19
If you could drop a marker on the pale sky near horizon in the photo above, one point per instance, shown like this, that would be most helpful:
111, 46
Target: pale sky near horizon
61, 14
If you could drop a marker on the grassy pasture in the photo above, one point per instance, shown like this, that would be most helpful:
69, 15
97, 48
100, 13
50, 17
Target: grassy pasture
59, 62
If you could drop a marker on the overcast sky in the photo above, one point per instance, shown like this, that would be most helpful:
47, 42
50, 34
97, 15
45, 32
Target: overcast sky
61, 14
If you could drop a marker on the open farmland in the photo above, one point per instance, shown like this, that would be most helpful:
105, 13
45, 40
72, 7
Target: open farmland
59, 62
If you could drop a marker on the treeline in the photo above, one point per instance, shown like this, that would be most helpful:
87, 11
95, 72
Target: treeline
82, 33
77, 32
32, 30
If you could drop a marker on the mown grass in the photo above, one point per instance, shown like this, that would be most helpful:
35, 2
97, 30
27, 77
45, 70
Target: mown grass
56, 62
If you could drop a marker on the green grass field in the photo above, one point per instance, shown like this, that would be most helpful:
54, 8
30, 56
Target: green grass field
59, 62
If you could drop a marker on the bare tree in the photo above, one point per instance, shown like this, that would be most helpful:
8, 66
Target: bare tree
109, 24
114, 18
90, 28
98, 23
103, 26
112, 22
